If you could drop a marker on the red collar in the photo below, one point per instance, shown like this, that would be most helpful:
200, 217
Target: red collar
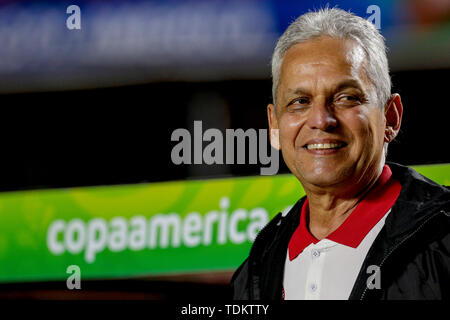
366, 215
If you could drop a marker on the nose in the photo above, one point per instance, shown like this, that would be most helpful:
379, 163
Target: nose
321, 117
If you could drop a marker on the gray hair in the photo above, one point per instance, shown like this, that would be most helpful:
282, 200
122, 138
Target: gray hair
338, 24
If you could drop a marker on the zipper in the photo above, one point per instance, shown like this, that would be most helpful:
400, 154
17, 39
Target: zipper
401, 242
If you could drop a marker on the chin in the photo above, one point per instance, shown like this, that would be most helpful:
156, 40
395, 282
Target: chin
325, 176
321, 181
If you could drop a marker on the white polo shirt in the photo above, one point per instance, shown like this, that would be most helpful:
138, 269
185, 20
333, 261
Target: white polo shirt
327, 269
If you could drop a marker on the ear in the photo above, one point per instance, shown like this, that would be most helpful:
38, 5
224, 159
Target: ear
393, 111
273, 127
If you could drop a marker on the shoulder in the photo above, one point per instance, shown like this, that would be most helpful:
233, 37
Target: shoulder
420, 199
278, 230
417, 187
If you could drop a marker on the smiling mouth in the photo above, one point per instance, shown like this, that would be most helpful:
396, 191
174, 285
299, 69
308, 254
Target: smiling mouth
325, 146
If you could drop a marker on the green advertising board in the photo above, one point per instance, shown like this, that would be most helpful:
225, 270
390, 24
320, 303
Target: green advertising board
143, 229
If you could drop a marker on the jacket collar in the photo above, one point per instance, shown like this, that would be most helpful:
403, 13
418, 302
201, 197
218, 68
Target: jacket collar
418, 199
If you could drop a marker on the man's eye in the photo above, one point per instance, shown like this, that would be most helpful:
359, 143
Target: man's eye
301, 101
299, 104
348, 99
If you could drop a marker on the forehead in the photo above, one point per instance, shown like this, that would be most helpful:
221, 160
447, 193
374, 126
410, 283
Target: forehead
337, 59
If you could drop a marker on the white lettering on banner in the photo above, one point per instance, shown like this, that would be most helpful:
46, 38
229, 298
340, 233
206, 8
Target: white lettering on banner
136, 240
164, 223
75, 236
192, 228
118, 237
159, 231
235, 235
56, 247
97, 230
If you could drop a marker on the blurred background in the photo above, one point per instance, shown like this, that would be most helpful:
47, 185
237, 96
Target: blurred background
96, 106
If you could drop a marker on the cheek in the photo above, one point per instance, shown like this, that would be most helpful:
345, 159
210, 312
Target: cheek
365, 129
290, 126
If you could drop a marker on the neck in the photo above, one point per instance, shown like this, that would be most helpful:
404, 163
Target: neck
328, 209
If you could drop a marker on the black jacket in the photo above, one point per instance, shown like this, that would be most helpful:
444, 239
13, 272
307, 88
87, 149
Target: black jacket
412, 250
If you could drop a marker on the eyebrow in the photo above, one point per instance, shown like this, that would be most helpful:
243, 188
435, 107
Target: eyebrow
350, 83
298, 91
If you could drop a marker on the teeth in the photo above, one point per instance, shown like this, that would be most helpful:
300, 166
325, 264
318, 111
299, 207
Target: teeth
323, 146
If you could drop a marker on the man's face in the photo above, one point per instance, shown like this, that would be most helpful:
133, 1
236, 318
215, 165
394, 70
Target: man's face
331, 126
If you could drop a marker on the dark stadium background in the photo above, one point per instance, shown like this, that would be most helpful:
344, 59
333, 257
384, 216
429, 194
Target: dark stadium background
120, 134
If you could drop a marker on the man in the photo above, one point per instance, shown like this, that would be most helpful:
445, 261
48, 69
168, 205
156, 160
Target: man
366, 229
